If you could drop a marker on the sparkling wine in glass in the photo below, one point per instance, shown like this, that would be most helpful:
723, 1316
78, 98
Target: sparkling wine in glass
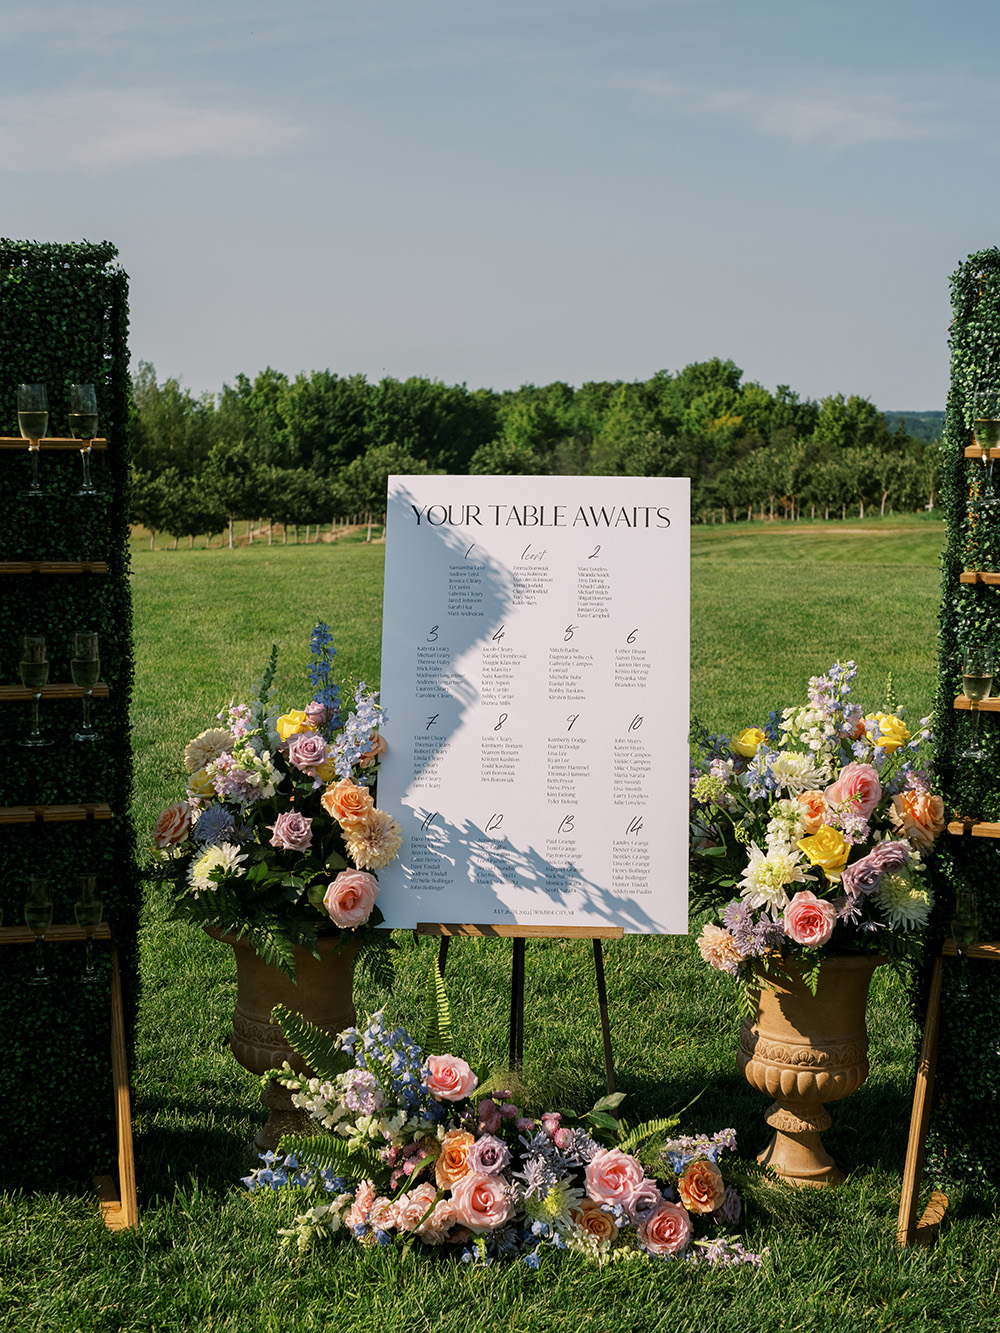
38, 918
85, 670
88, 910
964, 931
83, 427
977, 682
33, 422
34, 669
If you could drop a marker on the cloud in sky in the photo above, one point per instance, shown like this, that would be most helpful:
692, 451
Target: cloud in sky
822, 109
101, 131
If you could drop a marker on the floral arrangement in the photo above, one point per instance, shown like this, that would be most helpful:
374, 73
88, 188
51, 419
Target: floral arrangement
278, 833
406, 1151
809, 835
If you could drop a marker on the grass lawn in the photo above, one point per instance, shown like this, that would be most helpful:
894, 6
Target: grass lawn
770, 606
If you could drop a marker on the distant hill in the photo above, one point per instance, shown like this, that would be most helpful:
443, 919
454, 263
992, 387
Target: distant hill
921, 425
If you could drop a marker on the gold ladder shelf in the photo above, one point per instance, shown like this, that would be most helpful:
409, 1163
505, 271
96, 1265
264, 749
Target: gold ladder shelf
119, 1208
908, 1230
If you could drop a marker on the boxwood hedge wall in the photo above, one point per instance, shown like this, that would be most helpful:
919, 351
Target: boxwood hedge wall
964, 1139
63, 320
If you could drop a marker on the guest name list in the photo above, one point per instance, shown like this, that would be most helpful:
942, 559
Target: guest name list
535, 655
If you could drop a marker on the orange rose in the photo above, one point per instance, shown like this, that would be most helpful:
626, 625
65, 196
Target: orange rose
376, 748
592, 1218
701, 1186
814, 810
453, 1163
919, 816
347, 802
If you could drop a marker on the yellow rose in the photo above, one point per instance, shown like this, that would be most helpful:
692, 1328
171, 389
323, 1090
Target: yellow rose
748, 742
894, 731
828, 849
200, 784
293, 723
327, 771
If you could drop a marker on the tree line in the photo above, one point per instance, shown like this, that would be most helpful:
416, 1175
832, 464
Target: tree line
318, 448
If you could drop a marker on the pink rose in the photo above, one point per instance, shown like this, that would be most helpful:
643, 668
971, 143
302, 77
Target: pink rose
316, 714
349, 899
411, 1207
291, 831
858, 789
643, 1201
809, 920
307, 751
481, 1203
667, 1231
173, 825
919, 816
449, 1078
612, 1176
864, 875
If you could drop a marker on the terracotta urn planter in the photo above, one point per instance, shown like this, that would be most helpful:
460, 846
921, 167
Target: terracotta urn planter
804, 1050
323, 992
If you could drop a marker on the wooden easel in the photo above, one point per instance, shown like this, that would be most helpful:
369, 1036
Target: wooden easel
119, 1210
520, 935
908, 1230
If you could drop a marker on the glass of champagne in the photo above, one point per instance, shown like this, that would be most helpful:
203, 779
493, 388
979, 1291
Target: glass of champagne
38, 917
83, 427
88, 910
964, 931
977, 682
986, 432
33, 422
34, 668
85, 669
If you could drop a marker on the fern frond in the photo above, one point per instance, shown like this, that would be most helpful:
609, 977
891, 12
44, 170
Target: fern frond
374, 962
649, 1130
439, 1037
316, 1047
331, 1152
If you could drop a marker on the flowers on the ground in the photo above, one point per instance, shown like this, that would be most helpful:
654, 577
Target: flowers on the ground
411, 1149
814, 841
278, 834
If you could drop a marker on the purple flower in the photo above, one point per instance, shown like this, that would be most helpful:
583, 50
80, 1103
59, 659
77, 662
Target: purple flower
488, 1155
307, 751
730, 1209
643, 1201
864, 875
292, 832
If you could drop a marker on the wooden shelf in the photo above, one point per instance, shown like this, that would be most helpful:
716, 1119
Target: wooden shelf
974, 451
976, 828
51, 443
53, 567
56, 934
990, 705
54, 814
987, 950
18, 694
979, 576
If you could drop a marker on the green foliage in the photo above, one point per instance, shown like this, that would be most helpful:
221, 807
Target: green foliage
326, 1151
439, 1039
64, 320
318, 1048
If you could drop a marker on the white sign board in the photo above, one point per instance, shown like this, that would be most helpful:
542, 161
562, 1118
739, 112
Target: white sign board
535, 652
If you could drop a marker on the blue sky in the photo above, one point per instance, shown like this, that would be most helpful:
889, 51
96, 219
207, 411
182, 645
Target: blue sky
499, 193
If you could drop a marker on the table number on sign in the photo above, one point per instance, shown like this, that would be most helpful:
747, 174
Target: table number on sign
535, 680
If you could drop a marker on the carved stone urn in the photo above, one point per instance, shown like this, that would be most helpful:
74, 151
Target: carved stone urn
804, 1050
323, 992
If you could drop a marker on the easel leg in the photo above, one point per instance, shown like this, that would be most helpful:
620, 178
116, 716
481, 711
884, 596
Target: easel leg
443, 954
602, 1002
920, 1117
516, 1046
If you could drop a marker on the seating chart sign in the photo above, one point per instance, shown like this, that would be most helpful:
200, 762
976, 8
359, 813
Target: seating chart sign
535, 650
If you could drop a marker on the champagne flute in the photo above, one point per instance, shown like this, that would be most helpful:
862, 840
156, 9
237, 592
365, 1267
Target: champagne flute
85, 669
33, 422
977, 682
986, 432
38, 916
34, 668
88, 910
964, 931
83, 427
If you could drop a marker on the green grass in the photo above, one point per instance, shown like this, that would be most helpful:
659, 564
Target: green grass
769, 607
